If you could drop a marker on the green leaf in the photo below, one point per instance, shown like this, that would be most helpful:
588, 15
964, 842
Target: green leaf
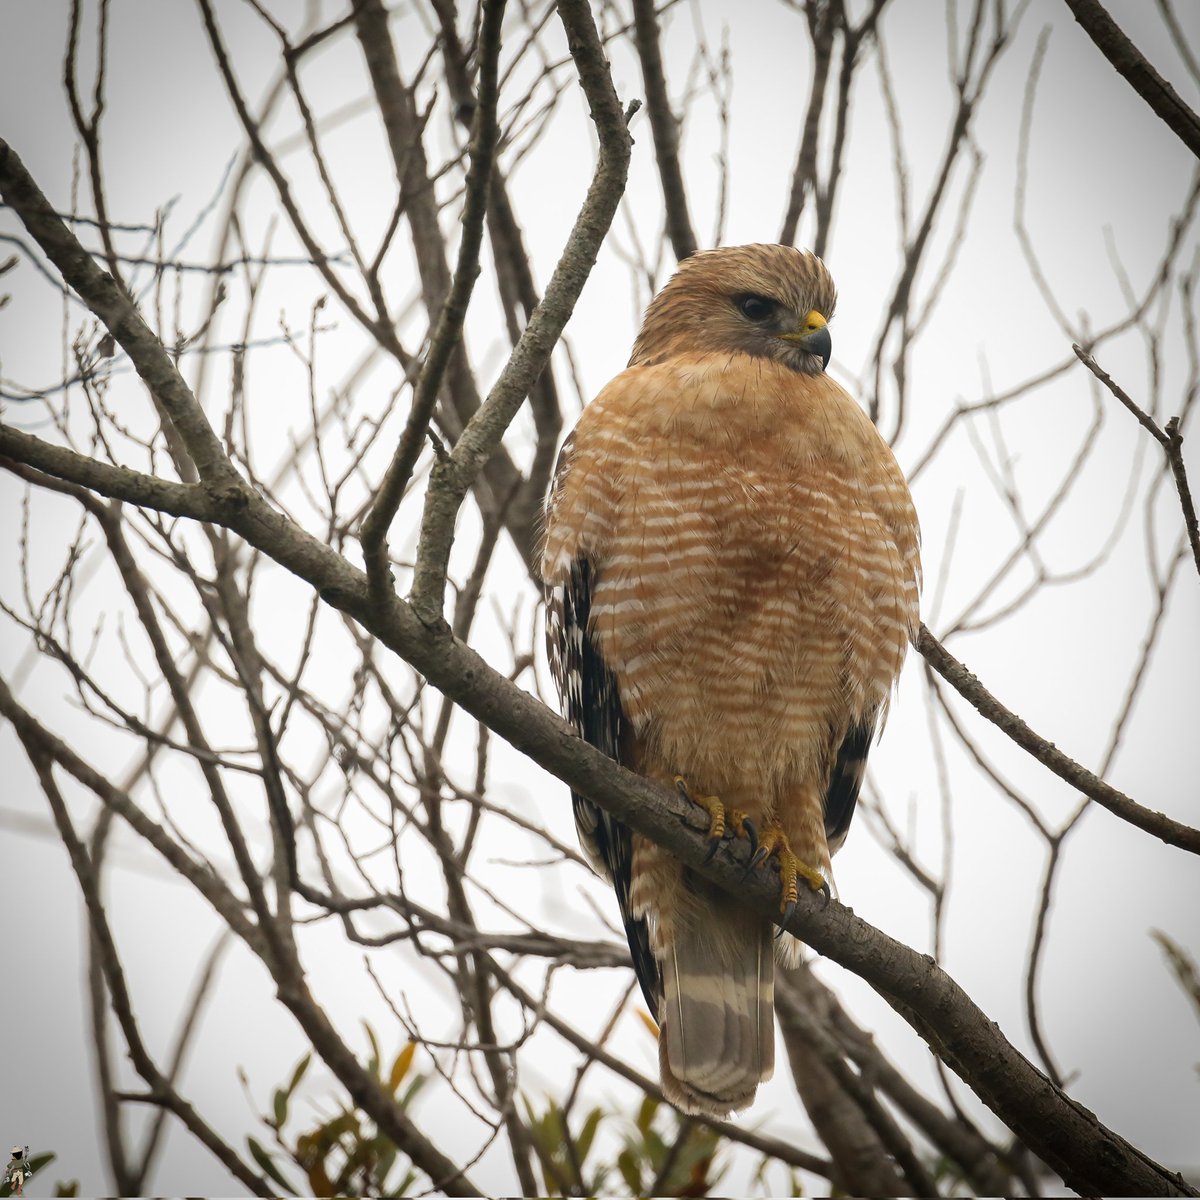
554, 1123
376, 1057
318, 1181
266, 1165
281, 1107
401, 1065
418, 1082
588, 1133
631, 1172
331, 1131
298, 1073
386, 1152
546, 1146
656, 1148
649, 1107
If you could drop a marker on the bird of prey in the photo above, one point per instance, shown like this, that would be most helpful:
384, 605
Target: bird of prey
732, 566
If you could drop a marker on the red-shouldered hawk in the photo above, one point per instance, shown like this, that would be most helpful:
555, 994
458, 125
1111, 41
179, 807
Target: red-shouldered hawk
732, 567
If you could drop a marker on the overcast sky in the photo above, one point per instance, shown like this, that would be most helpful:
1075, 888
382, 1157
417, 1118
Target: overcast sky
1104, 181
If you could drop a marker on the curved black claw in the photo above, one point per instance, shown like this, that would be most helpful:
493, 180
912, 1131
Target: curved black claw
751, 835
788, 909
712, 849
759, 857
826, 895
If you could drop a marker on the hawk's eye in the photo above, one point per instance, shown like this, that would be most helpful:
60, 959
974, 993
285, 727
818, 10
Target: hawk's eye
756, 308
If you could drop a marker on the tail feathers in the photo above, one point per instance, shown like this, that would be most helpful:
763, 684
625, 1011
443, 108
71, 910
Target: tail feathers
717, 1032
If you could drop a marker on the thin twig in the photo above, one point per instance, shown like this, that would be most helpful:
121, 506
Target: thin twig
1174, 833
1169, 438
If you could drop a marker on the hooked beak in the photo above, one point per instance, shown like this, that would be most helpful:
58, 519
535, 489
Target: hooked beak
812, 337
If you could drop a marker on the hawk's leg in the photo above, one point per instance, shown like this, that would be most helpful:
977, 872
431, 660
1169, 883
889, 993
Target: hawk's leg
791, 869
720, 818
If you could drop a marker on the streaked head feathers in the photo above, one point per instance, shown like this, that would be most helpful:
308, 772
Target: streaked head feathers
763, 300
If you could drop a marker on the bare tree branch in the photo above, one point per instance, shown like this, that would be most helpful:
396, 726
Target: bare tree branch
453, 476
1174, 833
665, 127
1129, 61
113, 307
349, 747
1169, 438
448, 331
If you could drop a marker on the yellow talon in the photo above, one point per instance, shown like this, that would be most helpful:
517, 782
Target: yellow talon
711, 805
773, 841
720, 819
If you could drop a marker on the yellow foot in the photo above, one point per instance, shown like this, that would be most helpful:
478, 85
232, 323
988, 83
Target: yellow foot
773, 841
720, 819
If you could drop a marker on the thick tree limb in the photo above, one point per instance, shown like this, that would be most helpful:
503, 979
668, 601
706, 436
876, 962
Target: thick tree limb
842, 1106
957, 1140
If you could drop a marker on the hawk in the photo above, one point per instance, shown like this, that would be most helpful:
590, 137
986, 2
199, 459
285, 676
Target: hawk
732, 566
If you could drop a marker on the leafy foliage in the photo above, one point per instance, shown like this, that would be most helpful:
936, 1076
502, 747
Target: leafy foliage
345, 1155
658, 1152
563, 1154
662, 1153
680, 1160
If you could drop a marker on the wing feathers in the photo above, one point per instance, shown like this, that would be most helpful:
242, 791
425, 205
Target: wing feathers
593, 705
845, 780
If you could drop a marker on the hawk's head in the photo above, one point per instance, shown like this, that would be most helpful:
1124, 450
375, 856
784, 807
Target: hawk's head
763, 300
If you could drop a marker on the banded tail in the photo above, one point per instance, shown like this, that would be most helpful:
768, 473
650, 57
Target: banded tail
717, 1030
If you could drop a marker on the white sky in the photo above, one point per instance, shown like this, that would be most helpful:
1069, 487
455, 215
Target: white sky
1102, 172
